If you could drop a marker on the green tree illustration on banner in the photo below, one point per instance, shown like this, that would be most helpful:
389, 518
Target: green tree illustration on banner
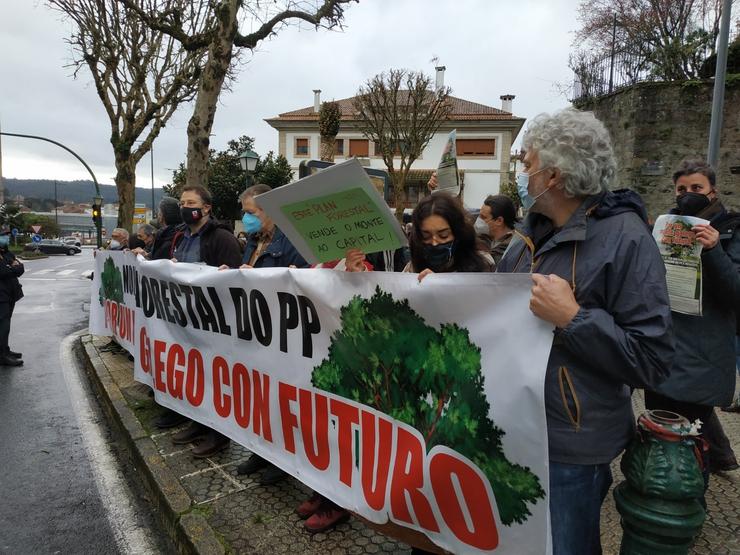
385, 356
111, 283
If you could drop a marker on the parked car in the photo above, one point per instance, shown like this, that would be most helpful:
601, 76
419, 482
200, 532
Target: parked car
71, 240
53, 246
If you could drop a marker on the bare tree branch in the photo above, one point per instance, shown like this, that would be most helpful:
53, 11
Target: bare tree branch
400, 111
140, 76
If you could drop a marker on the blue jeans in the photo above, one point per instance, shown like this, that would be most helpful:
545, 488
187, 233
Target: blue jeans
576, 494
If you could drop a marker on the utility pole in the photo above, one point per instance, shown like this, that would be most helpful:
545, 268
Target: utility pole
611, 62
56, 204
718, 97
151, 154
2, 189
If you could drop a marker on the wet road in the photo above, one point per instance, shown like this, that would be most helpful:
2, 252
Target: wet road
61, 488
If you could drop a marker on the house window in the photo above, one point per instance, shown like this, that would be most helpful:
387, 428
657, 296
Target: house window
339, 147
359, 148
301, 146
476, 147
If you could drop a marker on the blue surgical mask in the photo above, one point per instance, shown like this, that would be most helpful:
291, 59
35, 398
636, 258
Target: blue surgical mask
252, 224
522, 184
4, 241
522, 187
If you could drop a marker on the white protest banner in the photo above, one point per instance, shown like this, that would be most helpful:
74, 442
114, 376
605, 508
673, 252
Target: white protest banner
681, 254
113, 297
331, 211
419, 405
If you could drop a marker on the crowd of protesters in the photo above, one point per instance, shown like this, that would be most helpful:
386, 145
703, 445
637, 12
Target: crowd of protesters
597, 277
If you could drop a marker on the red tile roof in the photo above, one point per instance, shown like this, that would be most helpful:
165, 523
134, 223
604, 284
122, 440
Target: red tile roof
461, 110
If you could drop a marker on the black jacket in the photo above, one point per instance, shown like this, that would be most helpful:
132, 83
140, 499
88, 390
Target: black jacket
704, 369
401, 257
10, 288
218, 245
620, 338
163, 243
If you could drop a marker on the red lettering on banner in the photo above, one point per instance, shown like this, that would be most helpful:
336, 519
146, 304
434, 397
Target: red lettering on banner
222, 403
113, 317
144, 351
261, 413
195, 387
176, 371
484, 534
410, 455
374, 469
315, 427
286, 394
159, 368
347, 415
242, 392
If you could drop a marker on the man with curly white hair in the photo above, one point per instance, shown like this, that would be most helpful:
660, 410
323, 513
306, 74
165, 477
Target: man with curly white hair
599, 280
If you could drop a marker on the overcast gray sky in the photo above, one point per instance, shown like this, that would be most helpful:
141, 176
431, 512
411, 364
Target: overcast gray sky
490, 48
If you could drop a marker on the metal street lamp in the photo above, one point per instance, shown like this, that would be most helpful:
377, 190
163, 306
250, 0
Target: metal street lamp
248, 160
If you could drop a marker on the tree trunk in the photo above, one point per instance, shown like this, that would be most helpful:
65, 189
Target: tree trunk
327, 148
220, 53
399, 195
126, 186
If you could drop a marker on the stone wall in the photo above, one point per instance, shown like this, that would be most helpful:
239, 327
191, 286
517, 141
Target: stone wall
656, 125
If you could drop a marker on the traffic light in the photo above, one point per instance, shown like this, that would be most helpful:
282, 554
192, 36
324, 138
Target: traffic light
97, 215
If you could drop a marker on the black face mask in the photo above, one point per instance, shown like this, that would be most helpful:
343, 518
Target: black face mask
191, 215
691, 204
438, 257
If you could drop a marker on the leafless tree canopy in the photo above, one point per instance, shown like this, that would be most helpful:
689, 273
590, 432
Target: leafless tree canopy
400, 110
667, 39
222, 36
141, 76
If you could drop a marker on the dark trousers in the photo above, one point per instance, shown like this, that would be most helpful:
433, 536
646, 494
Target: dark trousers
720, 449
6, 313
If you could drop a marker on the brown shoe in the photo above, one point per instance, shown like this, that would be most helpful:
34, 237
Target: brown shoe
211, 444
189, 434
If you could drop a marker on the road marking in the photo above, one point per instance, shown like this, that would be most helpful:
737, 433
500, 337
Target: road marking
66, 272
38, 272
130, 534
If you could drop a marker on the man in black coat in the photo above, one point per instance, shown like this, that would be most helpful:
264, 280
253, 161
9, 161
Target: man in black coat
202, 239
10, 292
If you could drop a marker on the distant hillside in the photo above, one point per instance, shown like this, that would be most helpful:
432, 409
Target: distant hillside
75, 191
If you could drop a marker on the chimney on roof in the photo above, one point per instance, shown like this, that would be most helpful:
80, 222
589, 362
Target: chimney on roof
440, 78
506, 102
316, 100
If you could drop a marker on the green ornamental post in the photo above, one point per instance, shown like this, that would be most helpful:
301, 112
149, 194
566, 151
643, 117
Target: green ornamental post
659, 500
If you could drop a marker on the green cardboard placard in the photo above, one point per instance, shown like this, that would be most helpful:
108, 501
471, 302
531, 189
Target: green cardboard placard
333, 223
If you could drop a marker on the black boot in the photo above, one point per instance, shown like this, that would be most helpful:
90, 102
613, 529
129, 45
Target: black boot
13, 354
6, 360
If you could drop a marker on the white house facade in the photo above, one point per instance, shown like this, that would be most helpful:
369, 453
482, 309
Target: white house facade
484, 138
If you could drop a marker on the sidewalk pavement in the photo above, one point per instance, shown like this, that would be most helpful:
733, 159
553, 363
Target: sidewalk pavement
208, 509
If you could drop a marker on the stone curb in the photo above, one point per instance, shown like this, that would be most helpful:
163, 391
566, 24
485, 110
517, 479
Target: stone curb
189, 531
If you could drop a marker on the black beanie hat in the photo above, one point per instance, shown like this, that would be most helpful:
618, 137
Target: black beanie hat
170, 208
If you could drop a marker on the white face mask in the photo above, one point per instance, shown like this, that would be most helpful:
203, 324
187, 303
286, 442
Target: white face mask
115, 245
481, 227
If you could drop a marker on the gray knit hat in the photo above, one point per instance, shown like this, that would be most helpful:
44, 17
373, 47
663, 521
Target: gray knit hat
170, 208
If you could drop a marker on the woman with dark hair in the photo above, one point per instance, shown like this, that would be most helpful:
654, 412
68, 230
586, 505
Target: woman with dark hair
443, 239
